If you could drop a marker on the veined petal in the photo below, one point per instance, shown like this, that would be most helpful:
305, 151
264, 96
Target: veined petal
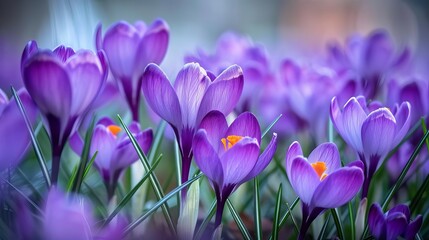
327, 153
161, 96
338, 188
413, 228
223, 94
293, 152
98, 37
125, 154
378, 133
63, 53
245, 125
303, 178
376, 221
396, 225
239, 160
402, 117
30, 49
190, 86
103, 142
216, 126
402, 208
76, 143
206, 157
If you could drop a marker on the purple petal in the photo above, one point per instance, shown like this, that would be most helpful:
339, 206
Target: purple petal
401, 208
376, 221
396, 225
105, 121
245, 125
98, 37
338, 188
303, 178
153, 45
238, 161
76, 143
403, 122
63, 53
191, 85
103, 142
379, 51
357, 163
264, 159
48, 84
378, 133
160, 95
413, 228
224, 93
30, 49
206, 157
327, 153
293, 152
216, 126
125, 154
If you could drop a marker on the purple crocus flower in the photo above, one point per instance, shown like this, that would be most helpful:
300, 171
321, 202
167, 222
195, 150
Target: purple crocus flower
369, 59
194, 95
129, 49
63, 84
114, 152
14, 136
396, 222
230, 156
320, 181
372, 131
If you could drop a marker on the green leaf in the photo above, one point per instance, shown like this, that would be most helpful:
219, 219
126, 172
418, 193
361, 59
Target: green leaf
157, 140
271, 126
258, 225
244, 232
338, 225
160, 203
34, 142
425, 129
24, 196
203, 225
275, 233
293, 219
286, 215
419, 195
189, 212
178, 169
352, 221
128, 197
153, 179
325, 225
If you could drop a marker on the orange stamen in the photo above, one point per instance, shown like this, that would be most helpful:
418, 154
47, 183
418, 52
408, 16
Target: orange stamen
230, 141
320, 168
114, 129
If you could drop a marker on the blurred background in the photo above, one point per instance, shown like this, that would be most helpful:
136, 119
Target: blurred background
293, 28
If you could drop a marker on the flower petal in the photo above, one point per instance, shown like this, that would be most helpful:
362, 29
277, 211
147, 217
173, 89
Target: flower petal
103, 142
216, 126
206, 157
303, 178
30, 49
403, 121
338, 188
413, 228
223, 94
293, 152
327, 153
161, 96
396, 225
125, 154
98, 37
379, 51
76, 143
63, 53
401, 208
245, 125
376, 221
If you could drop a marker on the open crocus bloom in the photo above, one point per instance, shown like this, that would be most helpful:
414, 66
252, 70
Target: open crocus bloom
129, 49
194, 95
320, 181
372, 131
229, 156
115, 152
396, 222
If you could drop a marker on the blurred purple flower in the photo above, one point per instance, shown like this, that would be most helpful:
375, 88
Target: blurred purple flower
320, 181
396, 222
129, 49
229, 156
372, 131
114, 152
14, 135
63, 84
369, 59
194, 95
233, 48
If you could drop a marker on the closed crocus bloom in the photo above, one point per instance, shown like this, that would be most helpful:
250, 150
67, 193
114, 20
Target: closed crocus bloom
115, 152
372, 131
63, 84
320, 181
193, 95
393, 224
230, 156
14, 135
129, 49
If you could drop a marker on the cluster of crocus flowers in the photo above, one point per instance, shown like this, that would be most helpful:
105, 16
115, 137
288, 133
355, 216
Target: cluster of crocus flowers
320, 181
129, 49
371, 130
394, 223
114, 149
63, 84
194, 95
230, 156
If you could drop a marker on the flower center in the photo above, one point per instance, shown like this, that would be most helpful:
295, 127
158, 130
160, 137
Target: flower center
230, 141
114, 129
320, 168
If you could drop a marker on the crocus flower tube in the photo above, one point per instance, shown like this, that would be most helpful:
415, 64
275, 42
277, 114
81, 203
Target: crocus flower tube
129, 49
320, 181
194, 95
371, 131
229, 156
63, 84
394, 223
115, 151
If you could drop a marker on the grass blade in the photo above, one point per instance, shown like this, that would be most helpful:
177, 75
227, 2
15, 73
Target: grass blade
157, 140
271, 126
160, 203
25, 197
244, 232
325, 225
258, 225
203, 225
153, 179
425, 129
337, 221
34, 142
419, 195
128, 197
287, 213
275, 232
293, 219
352, 221
178, 169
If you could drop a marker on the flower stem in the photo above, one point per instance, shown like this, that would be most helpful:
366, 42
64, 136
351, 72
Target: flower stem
219, 212
56, 157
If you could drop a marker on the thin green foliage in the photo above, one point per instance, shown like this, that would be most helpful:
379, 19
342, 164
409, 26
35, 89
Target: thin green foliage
39, 211
241, 226
206, 221
157, 139
352, 221
337, 222
416, 199
275, 232
293, 219
325, 225
178, 168
73, 176
271, 126
258, 225
286, 214
425, 129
